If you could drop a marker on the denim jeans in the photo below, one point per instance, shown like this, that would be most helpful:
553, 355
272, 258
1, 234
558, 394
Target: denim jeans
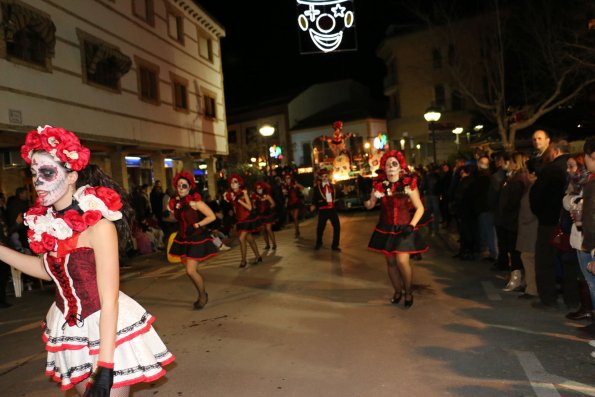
584, 258
487, 233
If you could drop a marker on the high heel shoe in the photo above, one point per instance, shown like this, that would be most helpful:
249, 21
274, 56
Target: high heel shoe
396, 298
243, 263
408, 302
274, 247
267, 247
259, 259
198, 305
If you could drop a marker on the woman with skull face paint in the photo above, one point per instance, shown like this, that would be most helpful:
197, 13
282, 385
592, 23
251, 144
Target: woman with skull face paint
193, 243
396, 234
293, 199
264, 205
246, 220
98, 339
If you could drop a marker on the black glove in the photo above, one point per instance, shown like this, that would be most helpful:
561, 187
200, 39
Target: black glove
101, 382
406, 230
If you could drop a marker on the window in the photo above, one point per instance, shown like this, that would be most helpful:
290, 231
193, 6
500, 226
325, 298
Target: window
210, 106
436, 58
307, 150
29, 34
232, 137
143, 9
205, 47
456, 101
251, 135
440, 95
148, 81
180, 93
103, 64
451, 55
175, 26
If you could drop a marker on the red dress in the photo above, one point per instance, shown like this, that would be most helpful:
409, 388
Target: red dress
246, 220
294, 196
396, 211
264, 209
190, 242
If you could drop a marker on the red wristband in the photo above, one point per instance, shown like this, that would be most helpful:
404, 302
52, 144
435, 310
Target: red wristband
105, 365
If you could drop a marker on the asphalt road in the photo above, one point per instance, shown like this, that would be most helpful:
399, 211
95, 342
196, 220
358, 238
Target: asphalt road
318, 323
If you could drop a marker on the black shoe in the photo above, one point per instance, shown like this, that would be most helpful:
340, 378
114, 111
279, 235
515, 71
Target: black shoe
198, 305
408, 302
274, 247
267, 247
336, 249
396, 298
259, 259
243, 264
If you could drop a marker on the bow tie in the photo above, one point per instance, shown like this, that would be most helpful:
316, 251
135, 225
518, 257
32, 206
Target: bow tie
325, 184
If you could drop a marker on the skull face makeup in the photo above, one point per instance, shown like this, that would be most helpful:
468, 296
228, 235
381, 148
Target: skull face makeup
183, 187
49, 178
392, 169
259, 190
235, 185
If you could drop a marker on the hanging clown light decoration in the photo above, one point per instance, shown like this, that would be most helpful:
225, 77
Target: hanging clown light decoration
326, 25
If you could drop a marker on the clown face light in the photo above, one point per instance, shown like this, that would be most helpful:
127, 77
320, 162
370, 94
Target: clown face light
328, 23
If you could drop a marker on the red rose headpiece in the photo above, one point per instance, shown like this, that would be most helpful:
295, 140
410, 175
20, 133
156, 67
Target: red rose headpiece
266, 188
61, 144
338, 125
184, 175
237, 178
396, 154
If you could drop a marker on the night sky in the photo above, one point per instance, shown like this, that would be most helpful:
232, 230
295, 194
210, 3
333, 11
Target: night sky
261, 55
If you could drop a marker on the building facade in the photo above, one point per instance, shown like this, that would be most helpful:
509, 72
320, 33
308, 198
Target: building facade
139, 81
424, 69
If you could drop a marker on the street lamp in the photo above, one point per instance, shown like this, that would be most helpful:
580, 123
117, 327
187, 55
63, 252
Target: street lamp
457, 131
432, 115
266, 131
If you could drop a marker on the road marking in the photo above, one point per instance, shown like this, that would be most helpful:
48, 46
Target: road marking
14, 364
492, 293
544, 383
528, 331
22, 328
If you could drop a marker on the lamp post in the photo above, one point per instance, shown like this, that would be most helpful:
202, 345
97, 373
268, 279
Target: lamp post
457, 131
432, 115
266, 131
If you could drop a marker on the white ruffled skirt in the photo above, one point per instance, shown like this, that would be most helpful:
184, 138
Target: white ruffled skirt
73, 350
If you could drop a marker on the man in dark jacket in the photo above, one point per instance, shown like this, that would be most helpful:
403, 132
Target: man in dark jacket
324, 199
546, 202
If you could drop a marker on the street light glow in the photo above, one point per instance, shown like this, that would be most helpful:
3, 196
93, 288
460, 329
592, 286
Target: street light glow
478, 127
367, 145
418, 146
267, 130
458, 130
253, 159
432, 114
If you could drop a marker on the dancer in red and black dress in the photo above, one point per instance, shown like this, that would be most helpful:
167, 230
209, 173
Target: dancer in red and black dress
292, 191
246, 221
193, 243
396, 234
264, 205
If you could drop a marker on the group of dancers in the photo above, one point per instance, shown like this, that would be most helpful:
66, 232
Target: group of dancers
101, 341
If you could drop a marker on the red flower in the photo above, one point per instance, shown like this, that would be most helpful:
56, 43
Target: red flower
52, 137
172, 203
110, 197
48, 241
36, 247
74, 220
196, 197
82, 155
37, 209
91, 217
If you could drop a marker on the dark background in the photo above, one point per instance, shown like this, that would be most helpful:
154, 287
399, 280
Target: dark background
261, 54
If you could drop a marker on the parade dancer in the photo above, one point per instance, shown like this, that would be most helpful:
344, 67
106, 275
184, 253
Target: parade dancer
246, 221
193, 243
264, 207
293, 199
324, 199
98, 339
337, 141
396, 234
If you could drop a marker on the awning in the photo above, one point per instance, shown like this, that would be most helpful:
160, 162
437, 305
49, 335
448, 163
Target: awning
16, 17
98, 52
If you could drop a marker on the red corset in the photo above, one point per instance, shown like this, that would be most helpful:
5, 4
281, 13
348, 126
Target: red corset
187, 218
293, 196
242, 213
75, 276
263, 206
395, 209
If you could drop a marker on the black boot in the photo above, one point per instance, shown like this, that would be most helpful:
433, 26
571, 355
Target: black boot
585, 311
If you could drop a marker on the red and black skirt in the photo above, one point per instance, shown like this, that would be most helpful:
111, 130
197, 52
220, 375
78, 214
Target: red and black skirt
267, 218
389, 239
252, 224
197, 245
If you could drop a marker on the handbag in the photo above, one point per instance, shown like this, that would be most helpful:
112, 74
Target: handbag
560, 240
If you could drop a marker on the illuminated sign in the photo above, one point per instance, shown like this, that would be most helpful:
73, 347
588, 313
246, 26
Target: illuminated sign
380, 142
275, 152
326, 26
